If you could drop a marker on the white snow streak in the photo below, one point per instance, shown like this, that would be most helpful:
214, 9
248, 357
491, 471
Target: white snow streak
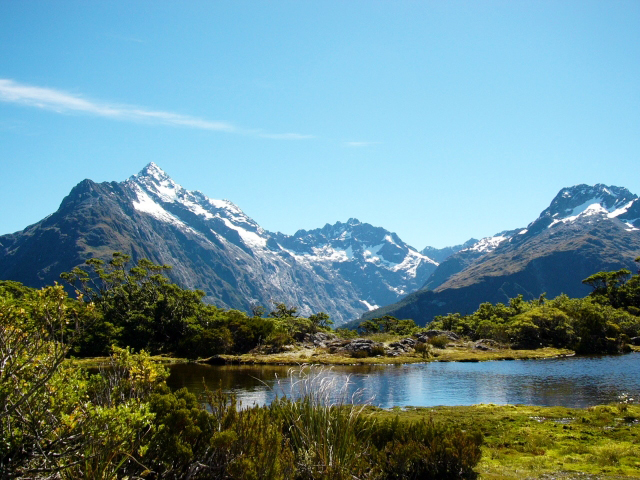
368, 305
147, 205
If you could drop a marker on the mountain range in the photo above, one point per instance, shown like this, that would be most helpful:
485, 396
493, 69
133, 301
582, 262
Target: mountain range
348, 270
584, 230
343, 269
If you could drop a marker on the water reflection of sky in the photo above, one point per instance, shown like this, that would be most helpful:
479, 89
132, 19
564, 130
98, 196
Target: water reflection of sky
573, 382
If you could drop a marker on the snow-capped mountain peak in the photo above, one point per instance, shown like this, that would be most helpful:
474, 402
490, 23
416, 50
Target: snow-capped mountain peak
158, 195
588, 203
587, 200
363, 255
154, 180
487, 244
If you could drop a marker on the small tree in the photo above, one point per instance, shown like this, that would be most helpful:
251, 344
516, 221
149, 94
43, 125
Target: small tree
320, 320
282, 311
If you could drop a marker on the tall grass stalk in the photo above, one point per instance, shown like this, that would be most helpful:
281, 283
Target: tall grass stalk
326, 425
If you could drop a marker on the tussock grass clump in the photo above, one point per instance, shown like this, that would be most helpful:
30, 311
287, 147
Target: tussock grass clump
422, 348
610, 455
441, 341
324, 423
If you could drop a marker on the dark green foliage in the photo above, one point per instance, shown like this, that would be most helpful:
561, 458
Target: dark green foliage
541, 326
13, 290
603, 322
369, 326
205, 342
302, 439
282, 311
425, 450
182, 429
346, 333
618, 289
138, 307
217, 441
388, 324
320, 320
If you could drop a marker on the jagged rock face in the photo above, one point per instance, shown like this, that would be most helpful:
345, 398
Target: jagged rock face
585, 229
342, 269
374, 260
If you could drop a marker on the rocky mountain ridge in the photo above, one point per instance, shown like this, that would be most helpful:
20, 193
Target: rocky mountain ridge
584, 230
342, 269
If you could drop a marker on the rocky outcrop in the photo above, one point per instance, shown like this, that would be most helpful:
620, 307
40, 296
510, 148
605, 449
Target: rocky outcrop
425, 336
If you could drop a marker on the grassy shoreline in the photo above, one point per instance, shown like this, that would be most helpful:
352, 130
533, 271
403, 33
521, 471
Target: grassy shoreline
304, 354
522, 442
449, 354
319, 356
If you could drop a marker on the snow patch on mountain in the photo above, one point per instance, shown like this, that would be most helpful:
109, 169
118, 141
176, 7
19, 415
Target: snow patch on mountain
593, 206
156, 184
631, 226
250, 239
368, 305
146, 205
621, 211
370, 254
487, 244
411, 263
573, 201
327, 253
582, 211
324, 254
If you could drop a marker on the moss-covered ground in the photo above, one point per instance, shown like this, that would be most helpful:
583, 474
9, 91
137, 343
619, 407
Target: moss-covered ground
522, 442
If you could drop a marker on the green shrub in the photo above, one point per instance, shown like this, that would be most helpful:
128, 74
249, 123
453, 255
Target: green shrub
425, 450
441, 341
346, 333
422, 348
217, 441
279, 340
203, 343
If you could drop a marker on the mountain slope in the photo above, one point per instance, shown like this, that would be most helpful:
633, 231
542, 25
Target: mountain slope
343, 269
441, 254
585, 229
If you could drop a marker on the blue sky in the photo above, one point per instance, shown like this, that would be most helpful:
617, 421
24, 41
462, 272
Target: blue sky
437, 120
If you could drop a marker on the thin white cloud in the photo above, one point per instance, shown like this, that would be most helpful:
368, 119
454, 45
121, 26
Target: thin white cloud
286, 136
360, 144
62, 102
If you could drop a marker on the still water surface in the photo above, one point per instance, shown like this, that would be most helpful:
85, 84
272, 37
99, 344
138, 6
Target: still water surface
571, 382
